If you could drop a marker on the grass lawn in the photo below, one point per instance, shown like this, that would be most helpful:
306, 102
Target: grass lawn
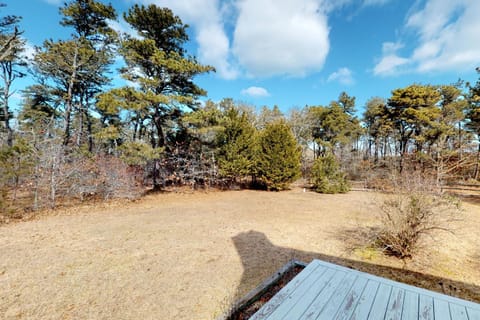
189, 255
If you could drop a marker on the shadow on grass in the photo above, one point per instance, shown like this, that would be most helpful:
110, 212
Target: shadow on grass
261, 258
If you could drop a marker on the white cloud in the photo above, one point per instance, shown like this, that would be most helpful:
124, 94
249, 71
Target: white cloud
447, 34
331, 5
256, 92
390, 62
29, 51
122, 27
206, 18
343, 76
281, 37
390, 65
367, 3
389, 48
16, 96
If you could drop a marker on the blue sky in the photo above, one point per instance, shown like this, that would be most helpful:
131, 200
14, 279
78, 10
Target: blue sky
293, 53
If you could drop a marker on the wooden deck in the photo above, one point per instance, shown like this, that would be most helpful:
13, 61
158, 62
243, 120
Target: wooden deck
328, 291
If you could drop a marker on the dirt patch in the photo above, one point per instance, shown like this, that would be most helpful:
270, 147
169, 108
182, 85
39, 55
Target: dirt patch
189, 256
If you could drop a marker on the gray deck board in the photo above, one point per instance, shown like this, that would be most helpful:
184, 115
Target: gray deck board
426, 308
441, 310
319, 303
304, 295
410, 306
310, 294
379, 306
458, 312
351, 299
473, 314
362, 310
395, 305
333, 305
285, 292
328, 291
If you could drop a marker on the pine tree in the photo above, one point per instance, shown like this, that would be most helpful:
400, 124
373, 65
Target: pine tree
164, 72
473, 117
236, 145
327, 177
11, 48
74, 70
158, 63
278, 159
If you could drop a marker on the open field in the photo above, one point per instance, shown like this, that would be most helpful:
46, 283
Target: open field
188, 255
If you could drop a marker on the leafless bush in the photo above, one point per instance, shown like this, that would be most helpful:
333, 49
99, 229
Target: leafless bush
99, 176
115, 179
63, 176
413, 211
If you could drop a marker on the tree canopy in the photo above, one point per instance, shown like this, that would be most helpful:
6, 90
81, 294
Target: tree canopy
78, 134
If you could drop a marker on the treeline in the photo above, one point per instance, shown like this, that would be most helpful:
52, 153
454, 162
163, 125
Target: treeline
78, 136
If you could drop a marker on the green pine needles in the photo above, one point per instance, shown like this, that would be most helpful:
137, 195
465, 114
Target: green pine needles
327, 176
278, 161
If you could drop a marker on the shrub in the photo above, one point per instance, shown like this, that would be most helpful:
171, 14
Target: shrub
278, 162
237, 142
408, 215
327, 177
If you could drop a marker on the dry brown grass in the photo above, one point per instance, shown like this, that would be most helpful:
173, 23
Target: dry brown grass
185, 256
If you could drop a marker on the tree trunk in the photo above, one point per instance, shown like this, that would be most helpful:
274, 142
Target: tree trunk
53, 182
88, 118
80, 126
7, 75
69, 99
89, 131
477, 165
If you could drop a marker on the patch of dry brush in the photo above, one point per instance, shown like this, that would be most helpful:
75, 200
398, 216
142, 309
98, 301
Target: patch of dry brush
415, 210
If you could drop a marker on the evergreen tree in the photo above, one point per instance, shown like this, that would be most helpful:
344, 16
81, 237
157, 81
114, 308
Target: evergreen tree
333, 128
473, 117
11, 48
236, 154
268, 115
413, 110
379, 126
327, 177
10, 35
16, 164
278, 158
347, 103
75, 69
205, 124
159, 65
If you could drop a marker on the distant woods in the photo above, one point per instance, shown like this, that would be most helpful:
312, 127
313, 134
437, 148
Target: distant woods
77, 136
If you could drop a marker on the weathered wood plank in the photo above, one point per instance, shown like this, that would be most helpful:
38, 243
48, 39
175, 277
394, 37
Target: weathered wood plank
353, 296
328, 291
379, 306
433, 294
410, 306
425, 308
473, 314
283, 294
395, 304
319, 303
441, 309
458, 312
332, 306
365, 303
305, 294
